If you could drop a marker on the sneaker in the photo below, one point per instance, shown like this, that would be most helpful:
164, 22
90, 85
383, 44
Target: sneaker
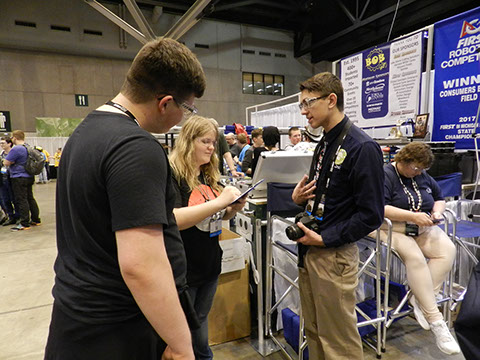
10, 221
20, 227
35, 223
445, 341
419, 314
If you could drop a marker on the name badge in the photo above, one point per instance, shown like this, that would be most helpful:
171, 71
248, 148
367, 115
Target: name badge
215, 225
320, 209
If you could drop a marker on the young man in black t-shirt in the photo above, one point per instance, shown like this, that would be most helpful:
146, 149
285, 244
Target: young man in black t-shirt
121, 269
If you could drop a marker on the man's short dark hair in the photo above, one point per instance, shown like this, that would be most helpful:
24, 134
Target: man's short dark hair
8, 140
271, 136
164, 67
324, 84
256, 133
292, 129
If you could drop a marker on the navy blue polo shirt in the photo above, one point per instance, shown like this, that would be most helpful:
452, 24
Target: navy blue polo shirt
395, 196
354, 204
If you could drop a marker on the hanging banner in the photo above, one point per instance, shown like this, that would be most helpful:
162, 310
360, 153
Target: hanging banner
382, 84
457, 78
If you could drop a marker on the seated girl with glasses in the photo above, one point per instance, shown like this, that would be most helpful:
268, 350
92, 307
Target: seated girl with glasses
200, 207
414, 203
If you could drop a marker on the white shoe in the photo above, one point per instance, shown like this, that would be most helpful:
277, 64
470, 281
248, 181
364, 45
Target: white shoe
445, 341
419, 314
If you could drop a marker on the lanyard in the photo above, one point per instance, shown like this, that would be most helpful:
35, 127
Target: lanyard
410, 198
123, 109
203, 192
324, 180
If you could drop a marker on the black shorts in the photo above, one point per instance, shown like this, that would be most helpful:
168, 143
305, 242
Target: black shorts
71, 339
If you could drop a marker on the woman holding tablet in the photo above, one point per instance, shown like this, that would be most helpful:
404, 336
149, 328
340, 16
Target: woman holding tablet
201, 206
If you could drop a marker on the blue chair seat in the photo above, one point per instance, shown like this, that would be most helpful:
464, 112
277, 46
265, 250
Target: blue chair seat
289, 247
465, 229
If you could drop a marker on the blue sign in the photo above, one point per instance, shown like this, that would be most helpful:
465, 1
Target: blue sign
375, 82
457, 78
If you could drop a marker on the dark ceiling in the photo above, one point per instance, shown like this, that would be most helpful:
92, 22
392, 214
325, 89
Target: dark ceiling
328, 29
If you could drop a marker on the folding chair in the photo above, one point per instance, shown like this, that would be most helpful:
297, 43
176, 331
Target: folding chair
279, 206
461, 227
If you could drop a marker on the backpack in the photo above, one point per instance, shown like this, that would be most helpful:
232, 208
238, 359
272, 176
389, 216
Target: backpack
240, 129
35, 161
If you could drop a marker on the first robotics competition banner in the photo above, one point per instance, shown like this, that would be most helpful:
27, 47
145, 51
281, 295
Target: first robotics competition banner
382, 84
457, 78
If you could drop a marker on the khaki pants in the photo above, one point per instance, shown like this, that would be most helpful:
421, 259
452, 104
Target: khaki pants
327, 293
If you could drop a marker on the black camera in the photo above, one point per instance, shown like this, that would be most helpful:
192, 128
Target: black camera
294, 232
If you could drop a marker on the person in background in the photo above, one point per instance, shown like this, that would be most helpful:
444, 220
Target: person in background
47, 163
6, 192
295, 136
343, 194
271, 138
232, 143
22, 183
201, 205
311, 137
257, 140
43, 177
56, 158
243, 146
230, 137
414, 203
223, 153
120, 284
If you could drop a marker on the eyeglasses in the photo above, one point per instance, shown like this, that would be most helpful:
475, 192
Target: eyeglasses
208, 142
188, 110
416, 168
308, 102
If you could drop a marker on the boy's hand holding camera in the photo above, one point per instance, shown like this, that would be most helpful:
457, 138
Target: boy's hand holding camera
311, 237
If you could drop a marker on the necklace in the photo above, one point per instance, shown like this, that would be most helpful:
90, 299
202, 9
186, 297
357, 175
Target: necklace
410, 198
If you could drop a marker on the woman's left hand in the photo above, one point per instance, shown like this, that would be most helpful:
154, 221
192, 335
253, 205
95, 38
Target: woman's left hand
237, 206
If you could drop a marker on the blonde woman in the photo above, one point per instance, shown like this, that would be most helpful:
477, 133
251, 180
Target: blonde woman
200, 207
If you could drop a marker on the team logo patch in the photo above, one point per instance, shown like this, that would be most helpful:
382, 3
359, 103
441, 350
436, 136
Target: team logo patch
342, 154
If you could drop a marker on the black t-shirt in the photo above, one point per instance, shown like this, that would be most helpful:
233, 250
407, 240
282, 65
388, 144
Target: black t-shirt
113, 175
395, 196
222, 149
204, 254
256, 157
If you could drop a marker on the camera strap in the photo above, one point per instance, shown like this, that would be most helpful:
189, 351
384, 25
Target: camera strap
323, 181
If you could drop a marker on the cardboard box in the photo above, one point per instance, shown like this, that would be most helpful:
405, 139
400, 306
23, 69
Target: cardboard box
233, 246
229, 318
